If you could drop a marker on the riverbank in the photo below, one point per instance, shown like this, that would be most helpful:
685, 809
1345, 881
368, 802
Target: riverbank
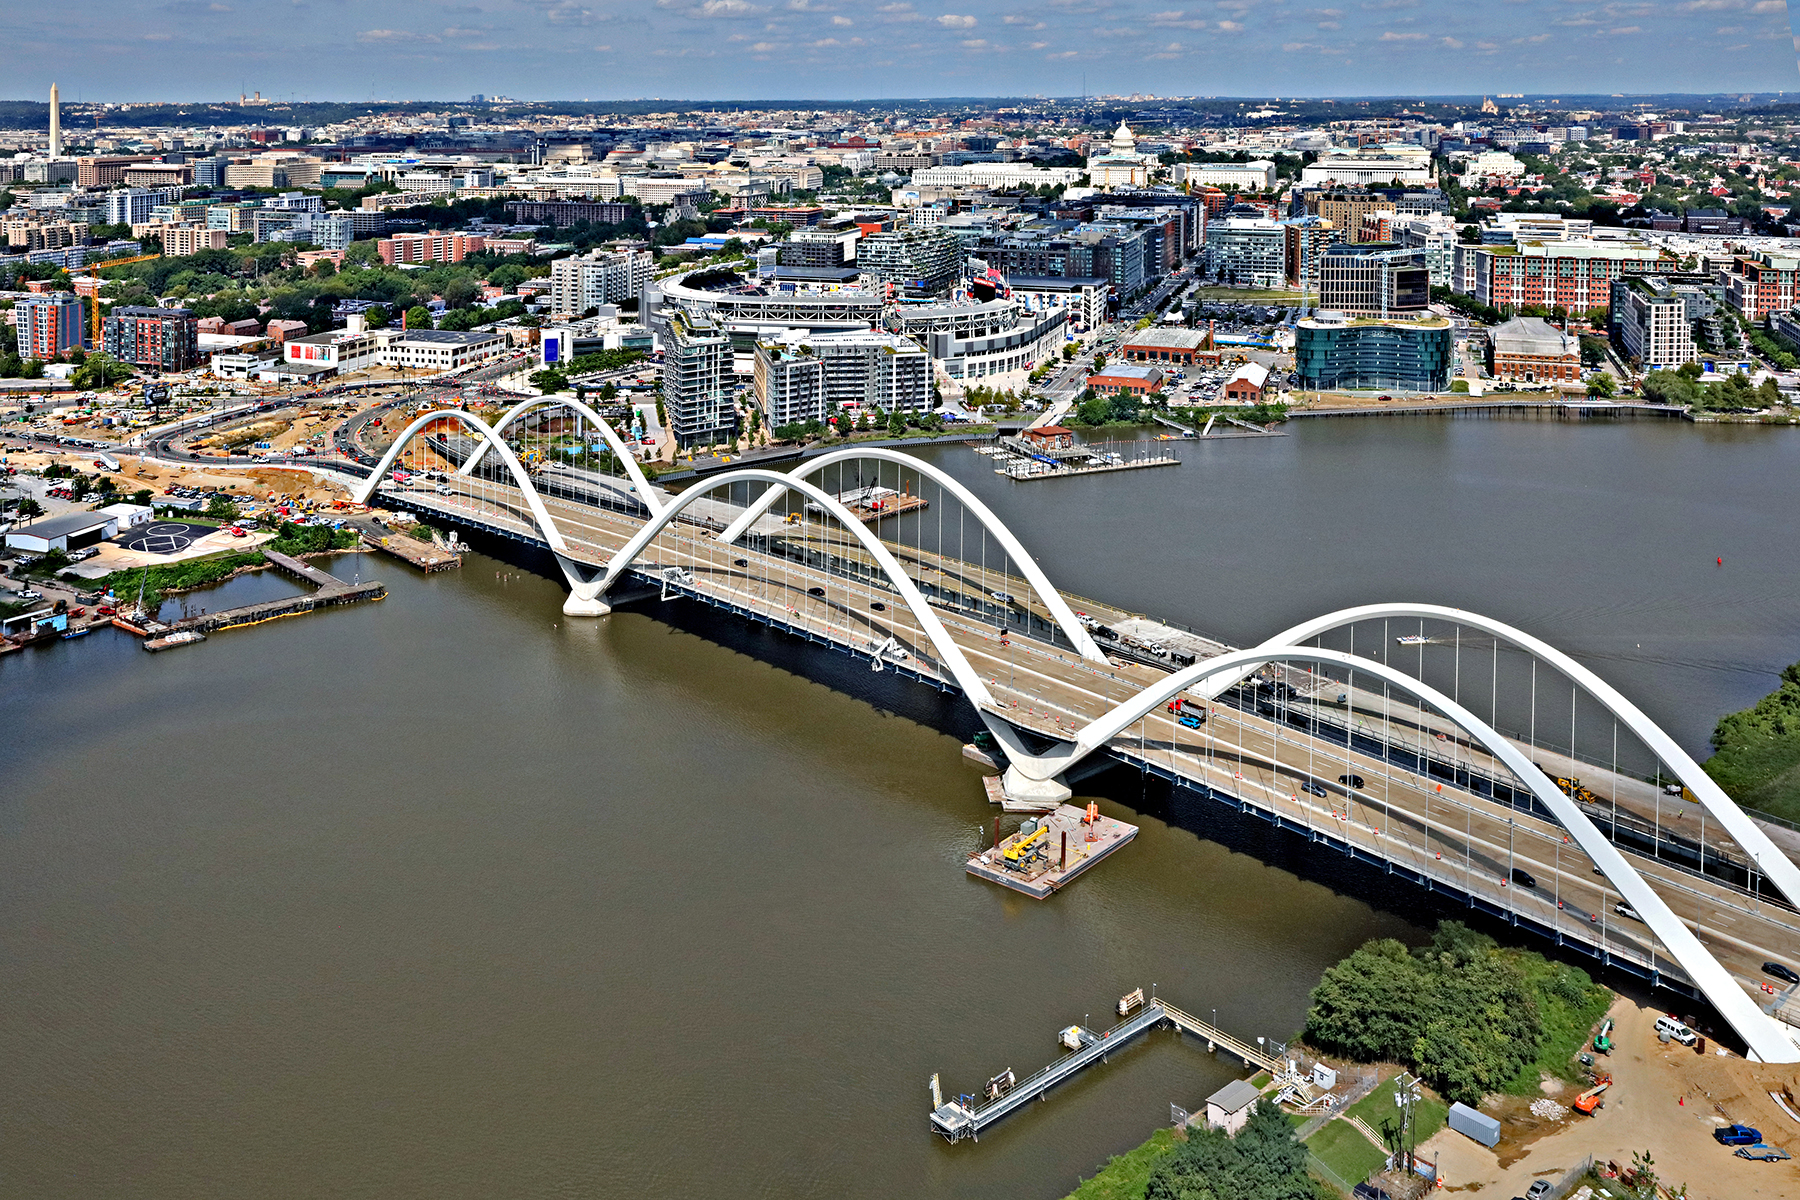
1756, 755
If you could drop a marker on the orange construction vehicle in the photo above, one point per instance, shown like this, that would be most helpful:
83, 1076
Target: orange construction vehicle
1589, 1100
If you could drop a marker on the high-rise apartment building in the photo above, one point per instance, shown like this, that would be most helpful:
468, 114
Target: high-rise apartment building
48, 324
920, 263
1654, 317
696, 382
603, 277
429, 247
162, 339
801, 376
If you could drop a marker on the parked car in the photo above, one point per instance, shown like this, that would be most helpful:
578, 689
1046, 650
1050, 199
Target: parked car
1762, 1153
1677, 1030
1538, 1190
1351, 781
1784, 973
1737, 1135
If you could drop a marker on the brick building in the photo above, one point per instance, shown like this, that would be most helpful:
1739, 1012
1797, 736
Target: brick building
1760, 284
429, 247
161, 339
1531, 350
1122, 378
567, 212
1578, 276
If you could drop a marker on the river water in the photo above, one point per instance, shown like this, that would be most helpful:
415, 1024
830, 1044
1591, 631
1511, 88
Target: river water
450, 896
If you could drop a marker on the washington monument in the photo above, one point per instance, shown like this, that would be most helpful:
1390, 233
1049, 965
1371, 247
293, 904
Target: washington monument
55, 124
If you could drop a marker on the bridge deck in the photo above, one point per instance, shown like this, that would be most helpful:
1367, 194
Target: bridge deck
1408, 817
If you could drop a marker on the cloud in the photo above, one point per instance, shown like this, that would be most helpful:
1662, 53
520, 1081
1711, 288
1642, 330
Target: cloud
842, 22
1769, 6
1391, 36
156, 37
1625, 29
953, 21
1231, 26
1020, 19
1062, 54
1451, 43
974, 43
394, 37
712, 10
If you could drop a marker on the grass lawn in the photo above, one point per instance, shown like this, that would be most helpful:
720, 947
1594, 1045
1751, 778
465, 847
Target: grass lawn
1245, 295
1377, 1109
1346, 1151
1125, 1176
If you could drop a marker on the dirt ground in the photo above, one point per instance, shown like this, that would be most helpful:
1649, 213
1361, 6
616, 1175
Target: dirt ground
1664, 1099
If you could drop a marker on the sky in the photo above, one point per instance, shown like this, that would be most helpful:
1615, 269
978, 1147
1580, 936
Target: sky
349, 50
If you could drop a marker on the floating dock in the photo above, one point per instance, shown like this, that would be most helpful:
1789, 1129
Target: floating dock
965, 1117
410, 550
1059, 848
1017, 459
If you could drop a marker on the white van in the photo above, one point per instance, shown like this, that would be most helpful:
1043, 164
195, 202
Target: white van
1676, 1031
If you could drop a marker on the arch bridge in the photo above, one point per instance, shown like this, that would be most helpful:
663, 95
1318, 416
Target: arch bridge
1642, 863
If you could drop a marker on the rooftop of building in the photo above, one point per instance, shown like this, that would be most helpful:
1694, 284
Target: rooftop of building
447, 337
1328, 319
1533, 336
1162, 337
64, 524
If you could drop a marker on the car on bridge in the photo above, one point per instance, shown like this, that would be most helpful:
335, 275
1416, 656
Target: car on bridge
1782, 972
1523, 878
1313, 787
1351, 781
1192, 721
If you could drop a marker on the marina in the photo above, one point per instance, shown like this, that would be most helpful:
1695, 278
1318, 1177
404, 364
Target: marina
1051, 451
331, 592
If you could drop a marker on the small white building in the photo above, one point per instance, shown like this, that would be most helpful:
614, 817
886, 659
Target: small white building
1230, 1107
129, 516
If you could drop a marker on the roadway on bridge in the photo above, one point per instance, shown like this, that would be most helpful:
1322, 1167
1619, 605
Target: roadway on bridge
1463, 840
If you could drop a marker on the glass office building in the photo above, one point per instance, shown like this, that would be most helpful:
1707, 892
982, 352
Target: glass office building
1337, 353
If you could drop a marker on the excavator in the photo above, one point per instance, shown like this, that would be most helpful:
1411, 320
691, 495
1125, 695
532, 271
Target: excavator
1589, 1100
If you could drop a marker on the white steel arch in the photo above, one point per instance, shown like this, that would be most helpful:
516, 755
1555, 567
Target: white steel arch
1059, 608
1770, 859
653, 500
367, 487
1761, 1032
960, 669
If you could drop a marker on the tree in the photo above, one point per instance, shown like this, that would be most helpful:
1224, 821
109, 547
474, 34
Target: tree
549, 380
221, 508
1099, 362
1263, 1162
376, 318
896, 423
418, 317
460, 292
1670, 387
30, 508
141, 497
362, 254
1600, 387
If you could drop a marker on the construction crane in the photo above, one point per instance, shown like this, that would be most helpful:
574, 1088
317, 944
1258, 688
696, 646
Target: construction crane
1589, 1100
95, 298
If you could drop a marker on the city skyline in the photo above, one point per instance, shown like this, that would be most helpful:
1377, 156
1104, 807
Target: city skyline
750, 50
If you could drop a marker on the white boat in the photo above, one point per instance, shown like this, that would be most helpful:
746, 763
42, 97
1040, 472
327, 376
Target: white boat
1413, 639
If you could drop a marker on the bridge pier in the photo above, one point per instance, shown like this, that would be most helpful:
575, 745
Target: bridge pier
575, 606
1017, 786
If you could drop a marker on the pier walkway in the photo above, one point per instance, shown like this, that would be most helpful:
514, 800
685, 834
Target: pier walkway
956, 1120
